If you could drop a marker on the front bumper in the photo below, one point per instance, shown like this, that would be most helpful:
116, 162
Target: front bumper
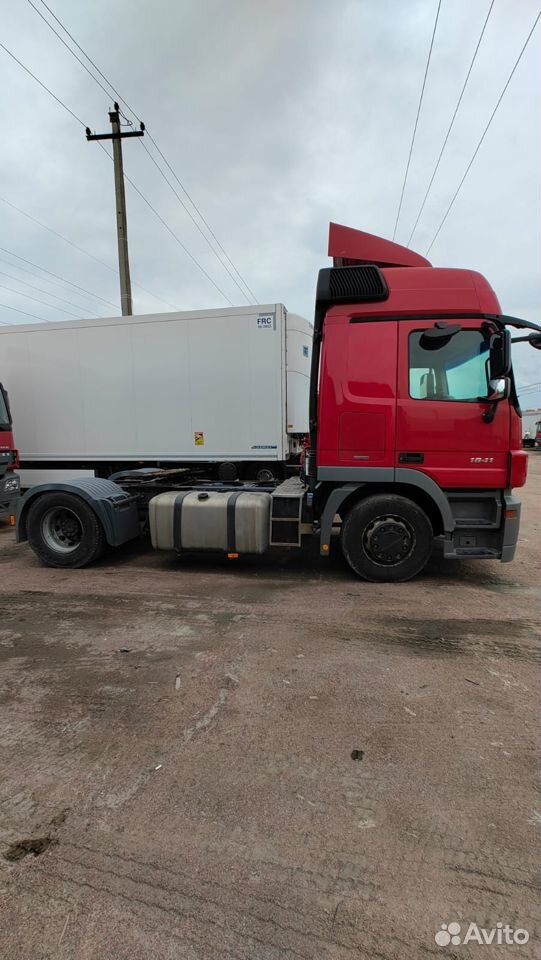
10, 491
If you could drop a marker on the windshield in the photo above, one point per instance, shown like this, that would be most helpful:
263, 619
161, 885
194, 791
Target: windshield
5, 420
455, 371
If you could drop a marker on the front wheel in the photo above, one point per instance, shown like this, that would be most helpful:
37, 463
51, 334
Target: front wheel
386, 538
64, 531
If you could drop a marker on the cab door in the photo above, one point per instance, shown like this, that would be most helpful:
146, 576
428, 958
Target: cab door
357, 392
442, 397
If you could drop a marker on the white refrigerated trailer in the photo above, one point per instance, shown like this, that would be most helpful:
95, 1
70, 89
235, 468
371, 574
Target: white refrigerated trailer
226, 390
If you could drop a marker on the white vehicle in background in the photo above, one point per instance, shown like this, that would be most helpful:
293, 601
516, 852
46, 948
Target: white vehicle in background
531, 428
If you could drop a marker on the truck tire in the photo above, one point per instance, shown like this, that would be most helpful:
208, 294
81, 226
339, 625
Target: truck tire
386, 538
263, 473
64, 531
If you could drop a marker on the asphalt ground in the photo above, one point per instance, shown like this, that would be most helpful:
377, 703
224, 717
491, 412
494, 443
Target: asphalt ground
267, 759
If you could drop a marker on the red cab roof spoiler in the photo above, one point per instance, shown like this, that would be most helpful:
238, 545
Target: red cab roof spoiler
348, 246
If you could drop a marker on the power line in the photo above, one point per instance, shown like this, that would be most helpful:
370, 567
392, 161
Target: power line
57, 277
47, 292
129, 108
57, 34
209, 228
537, 383
55, 232
483, 135
85, 54
38, 289
171, 231
453, 118
529, 388
192, 218
417, 119
37, 300
81, 249
129, 181
74, 115
50, 92
16, 310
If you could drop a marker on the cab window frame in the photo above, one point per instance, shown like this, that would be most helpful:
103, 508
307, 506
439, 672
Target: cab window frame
421, 330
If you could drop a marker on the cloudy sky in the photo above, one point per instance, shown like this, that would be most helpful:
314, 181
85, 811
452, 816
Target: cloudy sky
278, 116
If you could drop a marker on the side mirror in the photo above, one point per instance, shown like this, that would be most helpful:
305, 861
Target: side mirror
500, 354
535, 340
499, 389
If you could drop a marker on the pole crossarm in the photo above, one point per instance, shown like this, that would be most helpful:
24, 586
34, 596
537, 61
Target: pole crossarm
114, 136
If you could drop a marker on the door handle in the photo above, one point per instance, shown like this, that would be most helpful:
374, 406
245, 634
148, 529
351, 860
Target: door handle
411, 458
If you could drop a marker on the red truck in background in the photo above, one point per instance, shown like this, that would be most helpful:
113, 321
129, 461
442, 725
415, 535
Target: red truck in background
415, 437
9, 481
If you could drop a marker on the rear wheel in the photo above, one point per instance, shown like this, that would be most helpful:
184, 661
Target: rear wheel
263, 473
64, 531
386, 538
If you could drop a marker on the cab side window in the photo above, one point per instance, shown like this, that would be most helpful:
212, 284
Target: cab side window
456, 370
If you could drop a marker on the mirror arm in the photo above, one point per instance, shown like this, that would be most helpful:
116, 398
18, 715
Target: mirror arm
500, 391
489, 414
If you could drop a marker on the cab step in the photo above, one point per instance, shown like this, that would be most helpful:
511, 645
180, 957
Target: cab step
476, 523
286, 513
479, 552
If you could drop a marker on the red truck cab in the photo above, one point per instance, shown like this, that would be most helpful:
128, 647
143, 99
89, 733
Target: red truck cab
415, 397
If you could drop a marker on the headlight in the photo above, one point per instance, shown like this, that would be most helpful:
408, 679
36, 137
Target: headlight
11, 485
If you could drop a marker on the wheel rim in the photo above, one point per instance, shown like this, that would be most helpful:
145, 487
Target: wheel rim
61, 530
389, 540
265, 475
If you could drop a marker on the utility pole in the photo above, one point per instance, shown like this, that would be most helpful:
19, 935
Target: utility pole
120, 196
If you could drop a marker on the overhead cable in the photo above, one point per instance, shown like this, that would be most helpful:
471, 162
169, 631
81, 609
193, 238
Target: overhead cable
416, 120
57, 277
7, 306
450, 127
112, 90
45, 87
483, 135
171, 231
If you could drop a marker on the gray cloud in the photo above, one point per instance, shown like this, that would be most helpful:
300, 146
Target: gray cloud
279, 117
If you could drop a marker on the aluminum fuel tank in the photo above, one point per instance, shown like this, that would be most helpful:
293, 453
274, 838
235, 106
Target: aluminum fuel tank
235, 521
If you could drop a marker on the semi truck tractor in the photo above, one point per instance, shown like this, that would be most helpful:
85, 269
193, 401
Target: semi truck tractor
415, 436
9, 481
